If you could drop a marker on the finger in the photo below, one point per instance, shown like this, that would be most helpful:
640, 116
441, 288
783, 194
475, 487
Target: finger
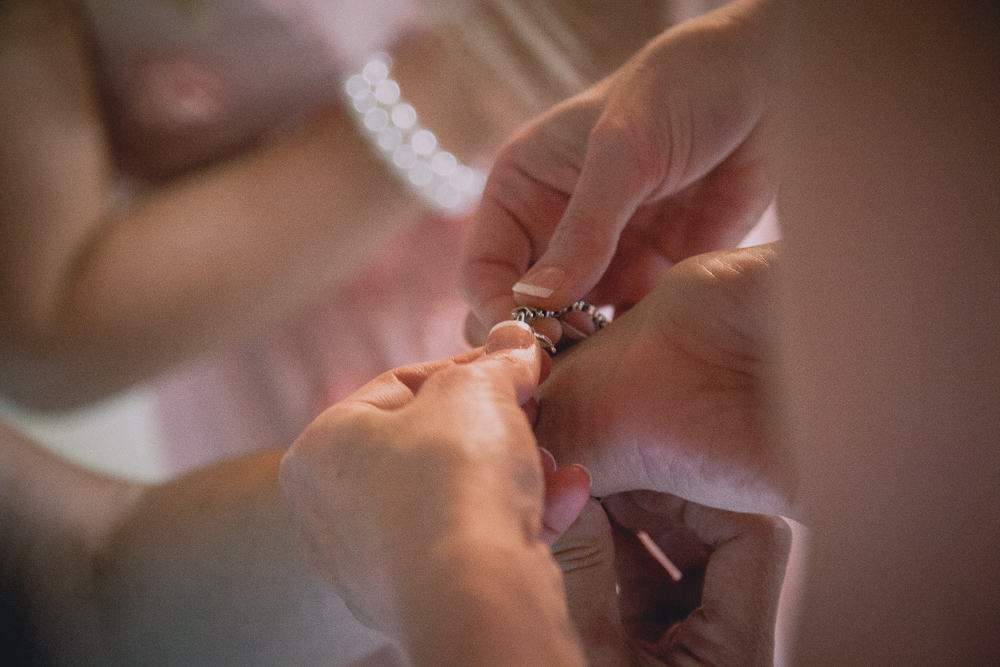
737, 560
515, 344
566, 492
586, 555
613, 183
742, 585
505, 375
396, 388
650, 600
525, 197
530, 408
653, 596
498, 252
548, 461
474, 330
662, 516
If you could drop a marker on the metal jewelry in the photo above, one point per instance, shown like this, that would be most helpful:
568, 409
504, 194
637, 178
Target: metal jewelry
526, 314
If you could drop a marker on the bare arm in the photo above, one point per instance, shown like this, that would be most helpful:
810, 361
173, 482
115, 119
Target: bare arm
54, 519
92, 299
891, 327
198, 571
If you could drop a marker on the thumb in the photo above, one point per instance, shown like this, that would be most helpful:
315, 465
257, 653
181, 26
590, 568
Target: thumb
512, 342
586, 555
612, 185
567, 491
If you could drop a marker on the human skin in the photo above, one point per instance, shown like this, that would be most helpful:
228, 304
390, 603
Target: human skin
694, 418
92, 298
227, 241
890, 327
630, 611
432, 529
202, 569
418, 499
666, 158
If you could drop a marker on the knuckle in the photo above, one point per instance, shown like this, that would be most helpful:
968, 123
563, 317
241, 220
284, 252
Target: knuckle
772, 531
620, 141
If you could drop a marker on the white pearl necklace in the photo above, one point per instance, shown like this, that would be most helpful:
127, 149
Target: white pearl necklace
410, 151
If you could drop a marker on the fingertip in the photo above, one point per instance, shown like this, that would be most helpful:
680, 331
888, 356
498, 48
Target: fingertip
550, 287
509, 335
545, 371
567, 491
474, 330
581, 476
550, 327
514, 343
530, 409
548, 461
540, 282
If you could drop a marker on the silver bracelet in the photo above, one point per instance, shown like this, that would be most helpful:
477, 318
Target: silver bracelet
526, 314
410, 151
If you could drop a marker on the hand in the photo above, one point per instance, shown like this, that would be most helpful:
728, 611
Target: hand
666, 158
723, 609
420, 463
673, 396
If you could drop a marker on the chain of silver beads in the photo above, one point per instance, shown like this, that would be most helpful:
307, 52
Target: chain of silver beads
526, 314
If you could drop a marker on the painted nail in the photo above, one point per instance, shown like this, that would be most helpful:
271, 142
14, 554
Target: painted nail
572, 332
509, 335
590, 478
549, 461
656, 552
541, 282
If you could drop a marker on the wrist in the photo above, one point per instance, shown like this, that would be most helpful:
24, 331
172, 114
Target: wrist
486, 596
757, 32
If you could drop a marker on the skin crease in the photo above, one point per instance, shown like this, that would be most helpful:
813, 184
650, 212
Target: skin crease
642, 170
203, 569
451, 505
691, 419
94, 299
630, 612
432, 532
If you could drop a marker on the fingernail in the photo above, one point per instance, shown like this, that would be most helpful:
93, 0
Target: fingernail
590, 478
572, 332
509, 335
549, 463
541, 282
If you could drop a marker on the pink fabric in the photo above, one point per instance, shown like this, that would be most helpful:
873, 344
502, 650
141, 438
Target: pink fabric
186, 82
402, 307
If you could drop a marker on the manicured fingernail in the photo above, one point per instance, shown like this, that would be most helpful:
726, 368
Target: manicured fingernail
541, 282
590, 478
656, 552
509, 335
549, 461
572, 332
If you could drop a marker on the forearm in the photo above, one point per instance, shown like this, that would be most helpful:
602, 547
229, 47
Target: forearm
205, 571
93, 298
216, 256
202, 570
54, 520
746, 36
487, 601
